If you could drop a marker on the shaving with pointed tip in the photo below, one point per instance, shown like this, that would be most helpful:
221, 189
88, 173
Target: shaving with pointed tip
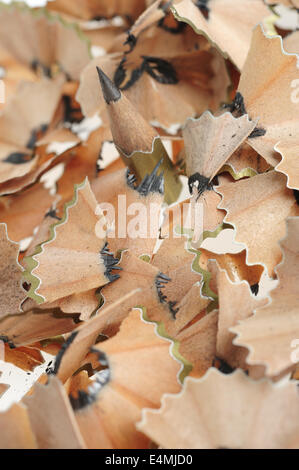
140, 146
110, 91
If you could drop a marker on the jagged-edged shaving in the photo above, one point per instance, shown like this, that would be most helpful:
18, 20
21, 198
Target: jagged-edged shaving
71, 261
186, 422
210, 141
222, 21
289, 164
257, 207
271, 334
134, 352
270, 90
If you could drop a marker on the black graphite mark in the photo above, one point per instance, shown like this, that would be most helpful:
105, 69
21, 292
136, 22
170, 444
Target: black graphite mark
159, 69
131, 179
152, 183
38, 66
257, 132
18, 158
222, 366
6, 340
131, 41
200, 182
49, 369
254, 288
102, 377
54, 370
72, 113
160, 283
179, 27
110, 264
35, 135
203, 7
53, 214
237, 107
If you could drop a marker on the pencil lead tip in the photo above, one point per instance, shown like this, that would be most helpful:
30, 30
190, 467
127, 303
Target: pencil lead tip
110, 91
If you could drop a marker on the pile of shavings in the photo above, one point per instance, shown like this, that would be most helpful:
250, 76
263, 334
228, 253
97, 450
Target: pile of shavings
187, 337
